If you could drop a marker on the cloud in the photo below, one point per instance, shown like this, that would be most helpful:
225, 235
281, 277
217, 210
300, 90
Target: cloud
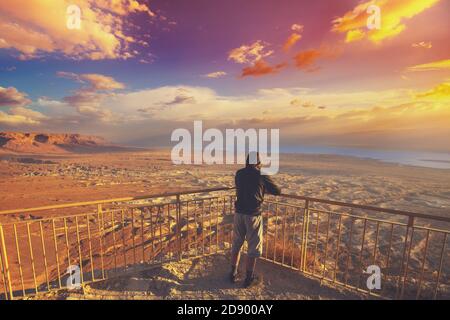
297, 27
304, 104
181, 99
124, 7
422, 44
291, 41
96, 85
305, 60
101, 82
84, 97
381, 118
88, 99
249, 53
354, 35
217, 74
37, 27
294, 37
102, 114
20, 116
394, 13
431, 66
261, 68
10, 97
95, 81
440, 92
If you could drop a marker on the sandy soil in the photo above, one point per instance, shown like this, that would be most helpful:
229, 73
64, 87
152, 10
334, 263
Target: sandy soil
127, 174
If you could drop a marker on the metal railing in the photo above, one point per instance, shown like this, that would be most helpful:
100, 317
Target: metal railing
330, 240
337, 242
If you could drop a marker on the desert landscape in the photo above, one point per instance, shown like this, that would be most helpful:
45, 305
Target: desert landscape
35, 177
111, 112
67, 175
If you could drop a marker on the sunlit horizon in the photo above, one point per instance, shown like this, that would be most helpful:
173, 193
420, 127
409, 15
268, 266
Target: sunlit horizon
137, 70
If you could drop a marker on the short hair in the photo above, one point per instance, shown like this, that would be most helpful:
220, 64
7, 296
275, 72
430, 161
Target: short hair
253, 158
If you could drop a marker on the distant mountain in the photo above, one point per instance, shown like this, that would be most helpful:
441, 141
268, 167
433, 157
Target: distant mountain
55, 143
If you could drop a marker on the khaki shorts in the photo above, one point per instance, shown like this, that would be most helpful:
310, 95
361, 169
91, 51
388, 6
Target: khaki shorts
248, 228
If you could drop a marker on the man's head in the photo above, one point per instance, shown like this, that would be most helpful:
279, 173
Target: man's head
253, 160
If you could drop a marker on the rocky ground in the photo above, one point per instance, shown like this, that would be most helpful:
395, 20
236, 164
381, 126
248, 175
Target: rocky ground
206, 278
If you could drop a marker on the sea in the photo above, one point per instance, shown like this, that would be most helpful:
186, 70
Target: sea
438, 160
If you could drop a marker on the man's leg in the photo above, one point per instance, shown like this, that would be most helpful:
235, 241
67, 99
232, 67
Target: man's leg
251, 264
238, 241
235, 257
255, 245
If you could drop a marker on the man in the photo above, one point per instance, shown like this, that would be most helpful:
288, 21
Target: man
248, 225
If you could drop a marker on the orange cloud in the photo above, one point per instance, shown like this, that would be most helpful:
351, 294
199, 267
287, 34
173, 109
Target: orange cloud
261, 68
96, 81
291, 41
305, 60
101, 82
35, 27
123, 7
393, 14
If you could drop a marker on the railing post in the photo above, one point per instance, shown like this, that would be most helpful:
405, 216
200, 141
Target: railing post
180, 253
101, 231
5, 263
406, 253
304, 236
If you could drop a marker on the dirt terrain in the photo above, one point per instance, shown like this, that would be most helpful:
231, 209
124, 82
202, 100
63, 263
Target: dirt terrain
83, 177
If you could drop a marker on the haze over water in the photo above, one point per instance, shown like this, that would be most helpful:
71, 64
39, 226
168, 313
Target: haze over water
438, 160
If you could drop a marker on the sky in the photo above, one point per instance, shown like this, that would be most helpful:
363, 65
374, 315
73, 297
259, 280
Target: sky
323, 72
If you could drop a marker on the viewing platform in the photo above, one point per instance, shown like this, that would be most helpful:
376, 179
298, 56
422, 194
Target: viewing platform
176, 246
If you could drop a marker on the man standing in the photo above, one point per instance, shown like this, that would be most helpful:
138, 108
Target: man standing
248, 225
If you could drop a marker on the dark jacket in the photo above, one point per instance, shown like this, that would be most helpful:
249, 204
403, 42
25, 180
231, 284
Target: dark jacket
250, 189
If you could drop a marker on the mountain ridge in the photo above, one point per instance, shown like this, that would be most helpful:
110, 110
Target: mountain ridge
55, 143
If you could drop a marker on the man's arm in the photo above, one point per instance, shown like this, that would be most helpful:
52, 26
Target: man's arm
270, 186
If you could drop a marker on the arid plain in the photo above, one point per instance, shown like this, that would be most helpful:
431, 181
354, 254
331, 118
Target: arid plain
39, 180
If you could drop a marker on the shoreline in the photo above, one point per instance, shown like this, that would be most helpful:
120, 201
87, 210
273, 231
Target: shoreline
8, 156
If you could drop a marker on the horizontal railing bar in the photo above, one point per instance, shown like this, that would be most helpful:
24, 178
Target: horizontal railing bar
49, 219
126, 199
289, 196
431, 229
365, 207
354, 216
359, 217
174, 202
290, 205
